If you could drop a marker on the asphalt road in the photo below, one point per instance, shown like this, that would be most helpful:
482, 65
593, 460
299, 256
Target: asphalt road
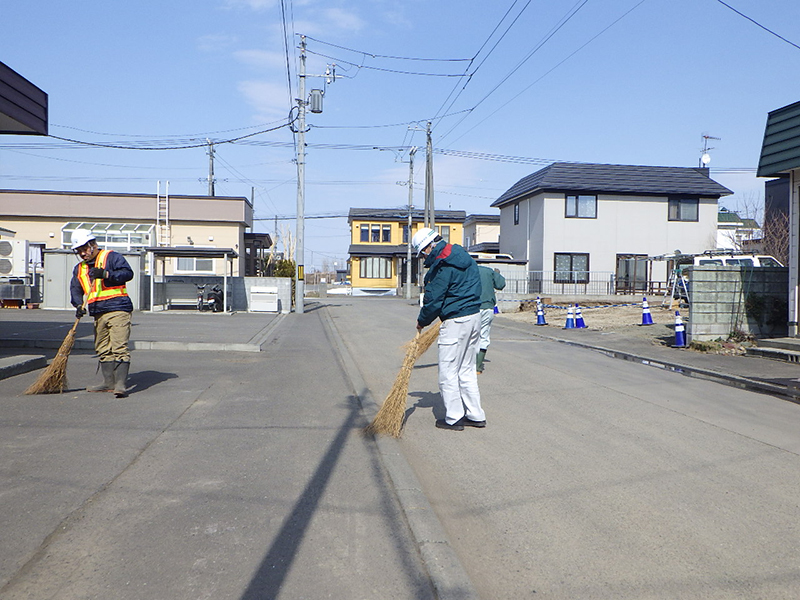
223, 475
601, 478
245, 475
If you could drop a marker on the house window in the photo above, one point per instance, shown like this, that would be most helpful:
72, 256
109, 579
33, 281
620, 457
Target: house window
516, 214
405, 234
444, 231
365, 233
581, 207
376, 234
191, 264
375, 267
571, 268
387, 233
684, 209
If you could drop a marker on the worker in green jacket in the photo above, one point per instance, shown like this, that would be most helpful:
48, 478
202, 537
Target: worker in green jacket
452, 294
491, 280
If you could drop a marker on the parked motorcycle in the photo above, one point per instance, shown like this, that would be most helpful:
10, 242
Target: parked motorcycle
215, 301
201, 297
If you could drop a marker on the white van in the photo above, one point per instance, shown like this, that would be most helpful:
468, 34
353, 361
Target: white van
737, 260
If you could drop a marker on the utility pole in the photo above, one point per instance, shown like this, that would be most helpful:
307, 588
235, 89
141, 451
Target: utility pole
410, 210
210, 167
430, 217
302, 107
301, 181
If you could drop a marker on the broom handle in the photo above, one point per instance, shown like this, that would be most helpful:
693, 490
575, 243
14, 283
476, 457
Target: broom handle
77, 319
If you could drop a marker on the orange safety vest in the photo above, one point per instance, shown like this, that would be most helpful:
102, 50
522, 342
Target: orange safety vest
98, 290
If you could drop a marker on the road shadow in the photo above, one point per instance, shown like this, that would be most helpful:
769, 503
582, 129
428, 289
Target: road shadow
271, 573
141, 380
424, 400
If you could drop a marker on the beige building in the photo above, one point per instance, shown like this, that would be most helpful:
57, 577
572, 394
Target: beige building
129, 222
482, 233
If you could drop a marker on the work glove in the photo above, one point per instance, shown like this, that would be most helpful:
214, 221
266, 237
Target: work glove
96, 273
79, 312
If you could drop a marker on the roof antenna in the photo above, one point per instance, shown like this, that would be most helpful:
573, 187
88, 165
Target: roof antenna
705, 158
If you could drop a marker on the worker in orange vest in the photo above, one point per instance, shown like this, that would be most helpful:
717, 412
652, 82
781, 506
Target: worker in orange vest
101, 276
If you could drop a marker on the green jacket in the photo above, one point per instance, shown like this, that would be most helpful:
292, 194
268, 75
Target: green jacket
452, 285
491, 280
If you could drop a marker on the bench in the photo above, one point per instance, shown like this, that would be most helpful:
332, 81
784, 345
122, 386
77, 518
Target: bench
180, 293
264, 299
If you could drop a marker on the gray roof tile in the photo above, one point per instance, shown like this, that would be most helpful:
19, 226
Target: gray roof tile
614, 179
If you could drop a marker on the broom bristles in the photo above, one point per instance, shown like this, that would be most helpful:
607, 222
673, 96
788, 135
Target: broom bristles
53, 379
390, 417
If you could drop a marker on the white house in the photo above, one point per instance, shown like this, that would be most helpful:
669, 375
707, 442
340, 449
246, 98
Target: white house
574, 222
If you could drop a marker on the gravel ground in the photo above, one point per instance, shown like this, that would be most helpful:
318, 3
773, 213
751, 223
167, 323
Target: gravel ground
600, 317
626, 320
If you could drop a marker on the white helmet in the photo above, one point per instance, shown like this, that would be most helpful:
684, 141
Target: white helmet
81, 237
421, 239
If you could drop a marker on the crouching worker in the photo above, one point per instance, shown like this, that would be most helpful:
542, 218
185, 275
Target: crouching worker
101, 276
453, 294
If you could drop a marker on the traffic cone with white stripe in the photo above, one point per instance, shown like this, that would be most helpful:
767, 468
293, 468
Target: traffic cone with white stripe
680, 331
647, 318
570, 319
540, 312
579, 322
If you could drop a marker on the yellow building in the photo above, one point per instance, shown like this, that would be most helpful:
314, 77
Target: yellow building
379, 245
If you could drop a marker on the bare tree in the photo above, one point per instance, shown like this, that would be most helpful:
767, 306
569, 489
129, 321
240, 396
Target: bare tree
776, 236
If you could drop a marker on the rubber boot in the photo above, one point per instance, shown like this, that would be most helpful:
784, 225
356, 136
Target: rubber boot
479, 365
121, 379
108, 378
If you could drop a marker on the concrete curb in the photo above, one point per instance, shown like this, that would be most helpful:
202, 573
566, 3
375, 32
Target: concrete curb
448, 576
194, 346
788, 393
16, 365
136, 345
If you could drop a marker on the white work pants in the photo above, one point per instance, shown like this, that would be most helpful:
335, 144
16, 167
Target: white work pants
458, 381
487, 316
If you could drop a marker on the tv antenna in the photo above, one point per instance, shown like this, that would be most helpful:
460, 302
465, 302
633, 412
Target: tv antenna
705, 158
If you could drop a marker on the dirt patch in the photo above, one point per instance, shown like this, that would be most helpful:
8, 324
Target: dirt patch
625, 320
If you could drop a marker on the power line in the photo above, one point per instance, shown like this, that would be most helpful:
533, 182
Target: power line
525, 89
397, 71
286, 51
182, 147
488, 54
767, 29
371, 55
405, 124
571, 13
173, 135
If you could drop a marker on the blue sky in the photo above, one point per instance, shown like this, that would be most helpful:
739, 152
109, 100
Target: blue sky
613, 81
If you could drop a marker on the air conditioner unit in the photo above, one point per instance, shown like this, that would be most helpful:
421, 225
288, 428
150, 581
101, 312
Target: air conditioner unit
14, 258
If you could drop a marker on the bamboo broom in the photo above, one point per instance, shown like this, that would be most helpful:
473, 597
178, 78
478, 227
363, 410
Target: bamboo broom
53, 379
391, 416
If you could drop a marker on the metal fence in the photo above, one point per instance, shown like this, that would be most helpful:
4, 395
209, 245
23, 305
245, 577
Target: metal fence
561, 283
